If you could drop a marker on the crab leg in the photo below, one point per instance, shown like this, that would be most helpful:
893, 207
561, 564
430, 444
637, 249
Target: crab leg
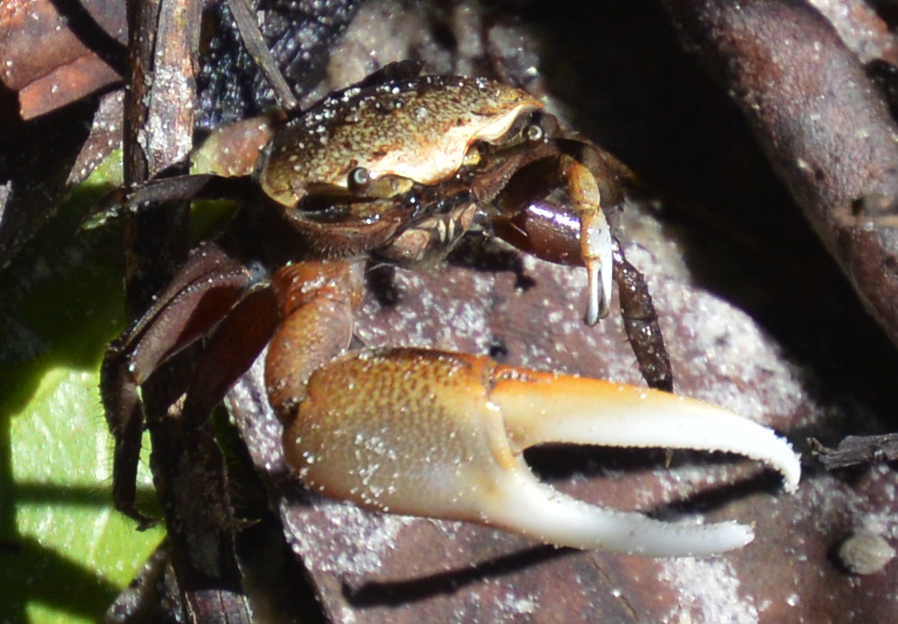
442, 434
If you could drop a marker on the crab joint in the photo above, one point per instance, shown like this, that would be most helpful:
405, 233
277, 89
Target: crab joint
438, 434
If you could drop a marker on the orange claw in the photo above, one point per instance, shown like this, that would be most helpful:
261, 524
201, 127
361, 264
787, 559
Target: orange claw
440, 434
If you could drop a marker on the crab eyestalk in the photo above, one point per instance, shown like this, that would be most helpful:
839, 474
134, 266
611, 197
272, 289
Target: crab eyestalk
440, 434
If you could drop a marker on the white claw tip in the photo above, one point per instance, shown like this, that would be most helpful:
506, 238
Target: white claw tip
598, 293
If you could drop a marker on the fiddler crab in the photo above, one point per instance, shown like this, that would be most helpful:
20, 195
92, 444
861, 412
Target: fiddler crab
399, 168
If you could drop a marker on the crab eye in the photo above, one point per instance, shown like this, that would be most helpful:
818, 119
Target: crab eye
472, 157
358, 178
534, 133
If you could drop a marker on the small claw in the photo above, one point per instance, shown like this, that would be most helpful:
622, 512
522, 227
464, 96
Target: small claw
440, 434
598, 285
595, 241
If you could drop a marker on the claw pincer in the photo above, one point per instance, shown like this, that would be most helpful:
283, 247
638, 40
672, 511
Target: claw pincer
439, 434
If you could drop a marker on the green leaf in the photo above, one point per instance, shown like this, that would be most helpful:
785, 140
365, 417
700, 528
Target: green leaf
65, 554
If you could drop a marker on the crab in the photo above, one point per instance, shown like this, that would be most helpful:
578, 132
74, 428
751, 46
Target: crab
399, 168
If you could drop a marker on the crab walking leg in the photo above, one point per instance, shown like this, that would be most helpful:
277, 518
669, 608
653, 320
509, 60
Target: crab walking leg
595, 239
441, 434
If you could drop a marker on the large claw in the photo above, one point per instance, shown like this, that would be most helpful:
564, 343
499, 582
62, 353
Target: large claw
440, 434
